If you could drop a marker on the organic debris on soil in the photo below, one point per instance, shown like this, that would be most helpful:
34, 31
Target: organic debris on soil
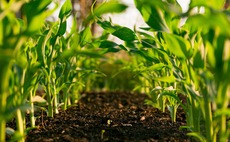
109, 117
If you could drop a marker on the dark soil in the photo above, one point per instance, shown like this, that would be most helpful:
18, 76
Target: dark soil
110, 117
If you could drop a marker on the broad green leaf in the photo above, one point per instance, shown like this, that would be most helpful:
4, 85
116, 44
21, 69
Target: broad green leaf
210, 55
146, 56
73, 52
62, 28
153, 14
107, 44
125, 34
194, 77
198, 61
124, 47
177, 45
169, 79
198, 136
154, 67
222, 112
107, 25
85, 36
219, 53
206, 22
65, 10
35, 12
111, 46
215, 4
112, 6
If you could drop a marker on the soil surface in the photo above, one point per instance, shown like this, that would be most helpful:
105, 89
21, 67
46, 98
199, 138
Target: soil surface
109, 117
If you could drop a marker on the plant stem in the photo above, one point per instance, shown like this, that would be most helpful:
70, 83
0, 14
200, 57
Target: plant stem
223, 103
50, 103
20, 124
4, 85
208, 118
32, 118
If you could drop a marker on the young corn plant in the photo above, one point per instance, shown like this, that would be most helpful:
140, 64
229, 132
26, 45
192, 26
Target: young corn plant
35, 53
194, 59
13, 36
199, 56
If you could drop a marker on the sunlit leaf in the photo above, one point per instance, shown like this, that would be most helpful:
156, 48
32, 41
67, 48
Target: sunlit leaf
125, 34
36, 12
62, 28
198, 136
198, 61
169, 79
177, 45
65, 10
85, 36
152, 12
112, 6
107, 44
216, 4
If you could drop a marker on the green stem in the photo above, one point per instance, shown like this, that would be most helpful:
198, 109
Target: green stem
208, 119
2, 130
4, 85
65, 95
32, 118
20, 125
55, 99
223, 104
50, 103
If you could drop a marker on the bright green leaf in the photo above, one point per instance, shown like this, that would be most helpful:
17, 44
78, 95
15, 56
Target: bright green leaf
177, 45
169, 79
125, 34
152, 12
62, 28
198, 61
65, 10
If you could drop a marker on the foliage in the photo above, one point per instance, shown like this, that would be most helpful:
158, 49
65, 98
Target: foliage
165, 60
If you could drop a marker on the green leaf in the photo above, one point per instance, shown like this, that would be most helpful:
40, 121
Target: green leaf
198, 61
36, 12
178, 45
169, 79
155, 67
73, 52
107, 44
65, 10
111, 46
152, 12
113, 6
62, 28
85, 36
222, 112
107, 25
122, 33
125, 34
216, 4
198, 136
